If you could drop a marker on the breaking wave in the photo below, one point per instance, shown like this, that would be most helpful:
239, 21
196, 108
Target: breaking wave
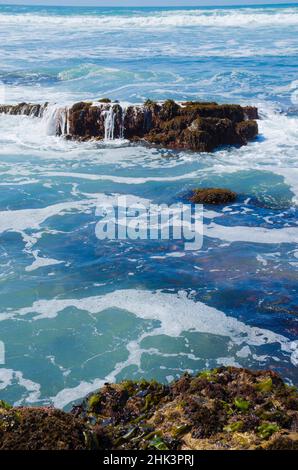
244, 18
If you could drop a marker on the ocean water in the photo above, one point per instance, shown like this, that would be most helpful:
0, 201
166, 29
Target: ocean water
76, 311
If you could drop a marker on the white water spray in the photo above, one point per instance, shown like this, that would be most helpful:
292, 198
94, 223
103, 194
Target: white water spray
109, 117
55, 120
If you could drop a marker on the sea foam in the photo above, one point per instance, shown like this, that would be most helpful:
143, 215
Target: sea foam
233, 18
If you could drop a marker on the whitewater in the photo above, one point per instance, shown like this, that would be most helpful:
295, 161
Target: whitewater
75, 311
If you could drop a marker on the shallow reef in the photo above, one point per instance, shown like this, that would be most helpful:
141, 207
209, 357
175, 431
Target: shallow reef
222, 409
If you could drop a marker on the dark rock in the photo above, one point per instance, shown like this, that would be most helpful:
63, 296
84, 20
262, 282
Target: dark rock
247, 130
191, 125
226, 408
137, 122
104, 100
251, 112
88, 121
169, 110
213, 196
41, 429
26, 109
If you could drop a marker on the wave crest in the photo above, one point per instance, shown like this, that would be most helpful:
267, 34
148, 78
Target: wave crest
179, 18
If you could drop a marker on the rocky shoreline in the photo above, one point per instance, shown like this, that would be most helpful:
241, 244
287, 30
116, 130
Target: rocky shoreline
195, 126
223, 409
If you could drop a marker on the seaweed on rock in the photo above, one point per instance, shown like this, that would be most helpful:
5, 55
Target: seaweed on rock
225, 408
196, 126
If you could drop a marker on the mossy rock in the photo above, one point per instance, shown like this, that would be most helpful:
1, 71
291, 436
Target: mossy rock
94, 403
223, 408
265, 385
169, 110
199, 103
214, 196
105, 100
150, 103
43, 429
234, 427
197, 140
196, 126
5, 405
210, 375
241, 404
247, 130
80, 106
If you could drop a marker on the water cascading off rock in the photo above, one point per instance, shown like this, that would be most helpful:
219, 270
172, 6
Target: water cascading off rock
192, 125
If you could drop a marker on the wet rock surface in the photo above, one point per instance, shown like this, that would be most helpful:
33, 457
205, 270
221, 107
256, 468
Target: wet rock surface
225, 408
215, 196
196, 126
26, 109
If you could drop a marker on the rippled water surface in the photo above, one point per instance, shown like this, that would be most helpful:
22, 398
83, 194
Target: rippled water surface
75, 311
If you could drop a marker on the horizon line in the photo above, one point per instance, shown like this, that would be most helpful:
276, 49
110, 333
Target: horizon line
108, 5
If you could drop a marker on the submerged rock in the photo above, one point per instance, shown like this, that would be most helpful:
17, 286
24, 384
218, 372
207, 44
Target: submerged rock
197, 126
225, 408
213, 196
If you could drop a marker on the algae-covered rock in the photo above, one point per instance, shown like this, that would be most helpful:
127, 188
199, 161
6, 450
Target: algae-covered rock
41, 429
226, 408
196, 126
26, 109
251, 112
247, 130
104, 100
212, 196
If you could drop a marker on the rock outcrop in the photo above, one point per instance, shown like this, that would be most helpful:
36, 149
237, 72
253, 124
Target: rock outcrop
191, 125
40, 429
222, 409
214, 196
26, 109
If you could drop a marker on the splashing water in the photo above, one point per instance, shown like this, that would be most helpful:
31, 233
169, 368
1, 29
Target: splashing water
109, 116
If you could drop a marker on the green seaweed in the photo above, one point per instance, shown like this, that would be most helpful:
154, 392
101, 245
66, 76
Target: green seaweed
241, 404
209, 375
265, 385
234, 427
158, 443
5, 405
94, 403
267, 429
180, 430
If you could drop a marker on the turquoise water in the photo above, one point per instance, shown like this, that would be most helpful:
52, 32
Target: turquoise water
76, 311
